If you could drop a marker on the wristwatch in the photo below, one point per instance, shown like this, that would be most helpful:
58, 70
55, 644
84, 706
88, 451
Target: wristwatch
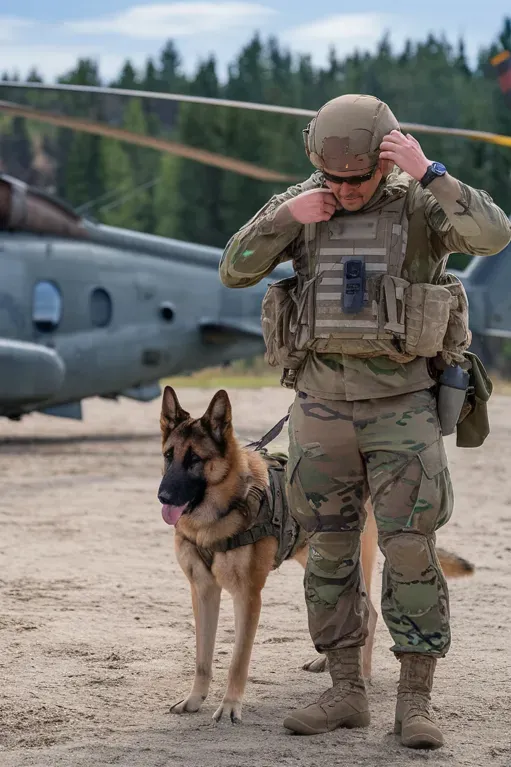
435, 170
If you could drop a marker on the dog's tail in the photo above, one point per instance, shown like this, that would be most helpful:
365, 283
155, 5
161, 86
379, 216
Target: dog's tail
453, 565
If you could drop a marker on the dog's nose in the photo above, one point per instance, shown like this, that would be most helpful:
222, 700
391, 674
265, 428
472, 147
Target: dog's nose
164, 496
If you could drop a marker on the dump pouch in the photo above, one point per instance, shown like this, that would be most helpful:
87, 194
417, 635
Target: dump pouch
473, 426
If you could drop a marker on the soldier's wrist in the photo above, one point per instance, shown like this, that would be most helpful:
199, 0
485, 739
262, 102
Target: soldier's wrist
422, 170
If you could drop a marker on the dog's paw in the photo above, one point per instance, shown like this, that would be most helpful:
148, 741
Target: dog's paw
190, 705
231, 708
317, 666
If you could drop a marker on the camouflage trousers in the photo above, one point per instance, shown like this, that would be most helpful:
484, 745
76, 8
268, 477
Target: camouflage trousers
391, 449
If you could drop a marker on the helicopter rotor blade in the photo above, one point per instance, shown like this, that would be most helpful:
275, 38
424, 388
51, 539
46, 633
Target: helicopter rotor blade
159, 95
152, 142
492, 138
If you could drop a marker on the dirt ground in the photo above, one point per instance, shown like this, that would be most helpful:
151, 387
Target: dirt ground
96, 625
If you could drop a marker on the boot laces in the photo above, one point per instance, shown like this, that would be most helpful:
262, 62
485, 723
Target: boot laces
339, 692
418, 704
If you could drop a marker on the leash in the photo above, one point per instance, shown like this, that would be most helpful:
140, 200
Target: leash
270, 435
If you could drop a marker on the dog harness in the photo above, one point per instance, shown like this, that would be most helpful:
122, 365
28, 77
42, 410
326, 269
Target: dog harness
270, 516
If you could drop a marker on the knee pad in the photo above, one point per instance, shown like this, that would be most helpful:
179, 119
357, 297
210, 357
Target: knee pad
413, 573
332, 567
334, 551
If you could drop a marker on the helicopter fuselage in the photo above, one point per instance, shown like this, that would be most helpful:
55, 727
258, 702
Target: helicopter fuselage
112, 315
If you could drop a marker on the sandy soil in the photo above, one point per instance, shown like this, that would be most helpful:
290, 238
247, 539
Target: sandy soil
96, 625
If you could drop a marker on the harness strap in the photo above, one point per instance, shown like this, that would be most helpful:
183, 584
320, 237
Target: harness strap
206, 555
270, 435
252, 535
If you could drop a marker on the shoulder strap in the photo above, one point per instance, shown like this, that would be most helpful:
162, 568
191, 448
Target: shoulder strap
206, 555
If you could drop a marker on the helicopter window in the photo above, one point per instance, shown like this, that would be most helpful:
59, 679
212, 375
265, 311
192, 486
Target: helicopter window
167, 311
100, 308
47, 306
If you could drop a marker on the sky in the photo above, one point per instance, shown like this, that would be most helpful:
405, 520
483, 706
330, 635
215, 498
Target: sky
52, 34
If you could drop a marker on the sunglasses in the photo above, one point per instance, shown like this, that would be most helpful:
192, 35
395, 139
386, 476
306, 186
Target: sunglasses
351, 180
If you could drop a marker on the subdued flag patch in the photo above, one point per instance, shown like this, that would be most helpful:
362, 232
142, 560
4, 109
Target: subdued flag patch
502, 64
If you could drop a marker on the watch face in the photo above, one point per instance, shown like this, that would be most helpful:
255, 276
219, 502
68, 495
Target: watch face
438, 168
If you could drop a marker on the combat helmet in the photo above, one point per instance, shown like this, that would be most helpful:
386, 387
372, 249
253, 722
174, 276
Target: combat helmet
346, 133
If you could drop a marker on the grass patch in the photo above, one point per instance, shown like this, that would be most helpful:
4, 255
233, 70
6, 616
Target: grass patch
219, 380
253, 374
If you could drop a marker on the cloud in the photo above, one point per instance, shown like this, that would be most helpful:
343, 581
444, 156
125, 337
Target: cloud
346, 32
342, 26
171, 20
10, 27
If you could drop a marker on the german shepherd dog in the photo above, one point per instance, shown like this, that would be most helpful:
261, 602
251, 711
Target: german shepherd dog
207, 476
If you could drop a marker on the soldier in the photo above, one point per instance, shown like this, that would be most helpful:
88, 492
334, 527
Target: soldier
360, 331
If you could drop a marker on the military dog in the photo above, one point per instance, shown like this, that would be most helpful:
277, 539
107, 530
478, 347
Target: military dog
220, 497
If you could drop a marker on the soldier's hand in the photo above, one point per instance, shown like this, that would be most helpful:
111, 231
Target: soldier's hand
406, 152
312, 206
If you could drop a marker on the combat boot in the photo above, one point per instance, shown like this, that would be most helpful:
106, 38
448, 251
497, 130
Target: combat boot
413, 717
343, 705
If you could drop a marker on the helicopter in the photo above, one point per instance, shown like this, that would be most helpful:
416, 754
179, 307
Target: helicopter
93, 310
90, 310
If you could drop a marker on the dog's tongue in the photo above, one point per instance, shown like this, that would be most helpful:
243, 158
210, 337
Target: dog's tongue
171, 514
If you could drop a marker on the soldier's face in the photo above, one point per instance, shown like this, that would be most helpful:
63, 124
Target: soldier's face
355, 192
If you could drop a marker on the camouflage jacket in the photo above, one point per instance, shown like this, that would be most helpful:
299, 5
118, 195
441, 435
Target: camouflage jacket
447, 217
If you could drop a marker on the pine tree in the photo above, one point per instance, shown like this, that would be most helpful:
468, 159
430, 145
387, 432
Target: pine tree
170, 79
170, 73
167, 194
143, 164
127, 78
76, 173
199, 206
80, 174
122, 207
246, 132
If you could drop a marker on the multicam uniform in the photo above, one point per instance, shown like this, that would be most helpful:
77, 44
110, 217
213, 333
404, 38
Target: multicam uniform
362, 424
365, 419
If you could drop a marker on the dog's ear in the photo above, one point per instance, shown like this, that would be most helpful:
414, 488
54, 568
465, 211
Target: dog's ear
218, 417
172, 413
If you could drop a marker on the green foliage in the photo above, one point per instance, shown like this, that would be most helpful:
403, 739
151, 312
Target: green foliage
197, 199
428, 81
166, 197
122, 210
143, 166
